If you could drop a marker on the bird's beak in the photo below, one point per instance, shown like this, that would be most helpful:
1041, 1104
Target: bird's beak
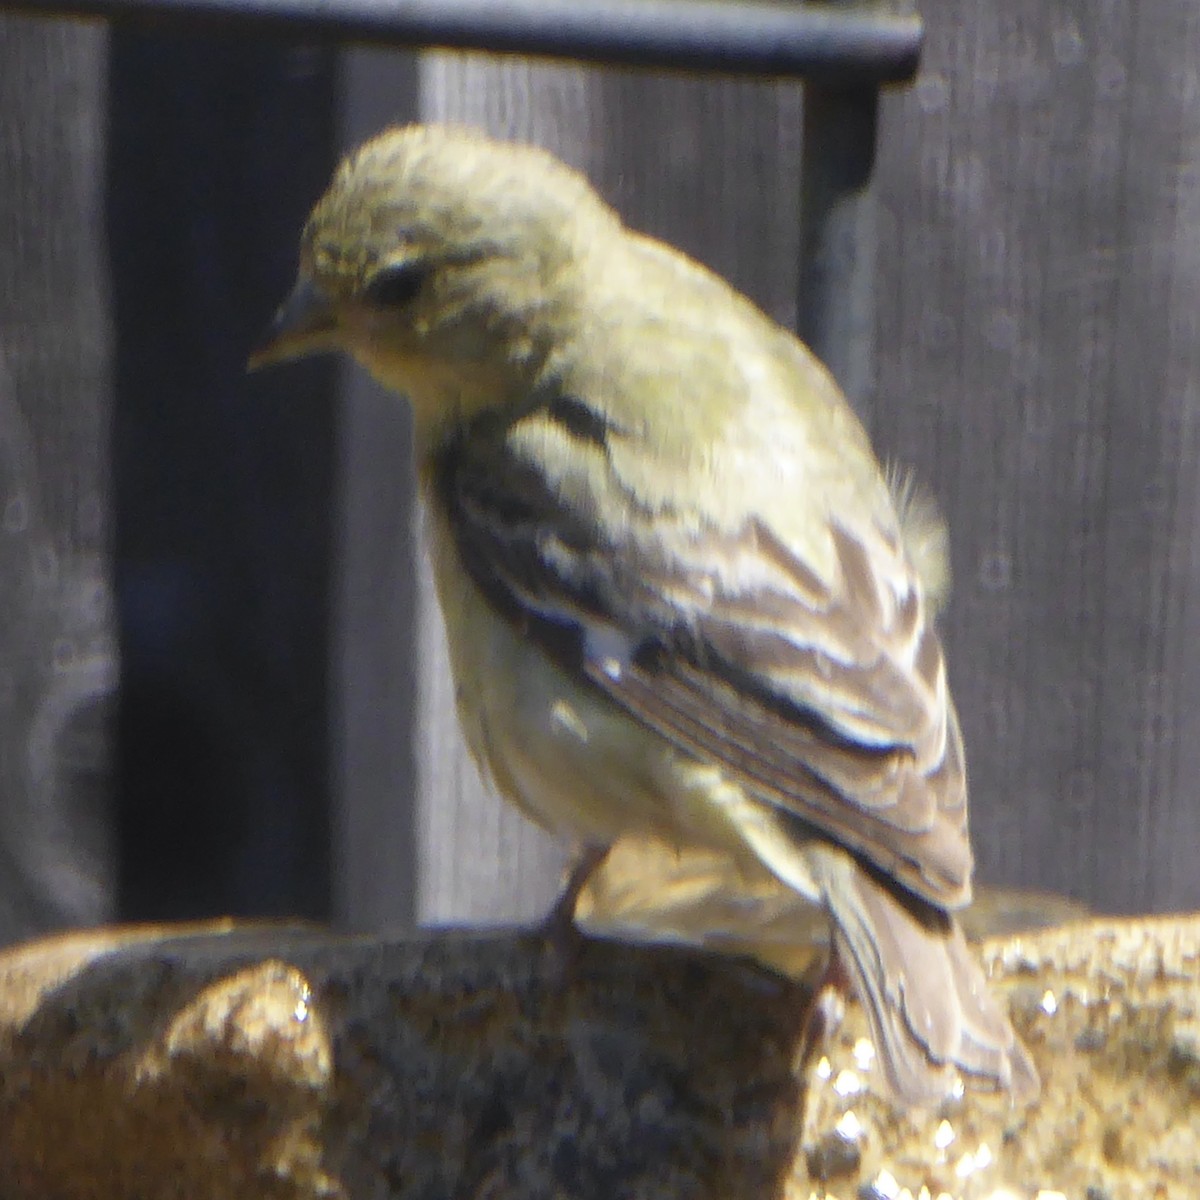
306, 323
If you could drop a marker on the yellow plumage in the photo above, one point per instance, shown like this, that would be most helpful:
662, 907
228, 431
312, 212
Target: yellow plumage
681, 598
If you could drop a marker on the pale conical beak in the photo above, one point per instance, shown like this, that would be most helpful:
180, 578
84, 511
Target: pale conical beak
305, 324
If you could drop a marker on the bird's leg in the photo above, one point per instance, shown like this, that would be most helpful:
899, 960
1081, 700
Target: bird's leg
560, 921
827, 1006
559, 933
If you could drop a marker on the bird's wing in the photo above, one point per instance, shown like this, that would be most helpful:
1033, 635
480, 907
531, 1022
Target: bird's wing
827, 699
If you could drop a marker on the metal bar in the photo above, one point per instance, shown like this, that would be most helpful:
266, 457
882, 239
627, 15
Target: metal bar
754, 37
836, 305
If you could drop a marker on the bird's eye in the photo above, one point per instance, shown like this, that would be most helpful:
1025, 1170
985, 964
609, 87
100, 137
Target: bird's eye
397, 284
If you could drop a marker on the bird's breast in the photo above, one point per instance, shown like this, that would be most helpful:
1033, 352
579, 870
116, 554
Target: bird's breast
559, 749
552, 745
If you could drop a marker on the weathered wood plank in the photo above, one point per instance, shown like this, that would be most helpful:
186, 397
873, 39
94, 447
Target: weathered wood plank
479, 860
375, 590
57, 653
1040, 268
1039, 368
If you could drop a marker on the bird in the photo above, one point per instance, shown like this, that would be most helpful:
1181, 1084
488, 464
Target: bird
683, 599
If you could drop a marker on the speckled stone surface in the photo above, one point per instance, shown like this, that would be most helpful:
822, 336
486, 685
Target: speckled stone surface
284, 1062
1110, 1012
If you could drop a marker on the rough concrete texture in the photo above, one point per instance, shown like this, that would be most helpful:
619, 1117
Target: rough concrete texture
273, 1062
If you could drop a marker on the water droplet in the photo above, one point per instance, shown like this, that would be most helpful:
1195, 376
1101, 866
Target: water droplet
848, 1083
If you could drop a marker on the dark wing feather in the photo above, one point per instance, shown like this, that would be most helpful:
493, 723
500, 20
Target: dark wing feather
793, 686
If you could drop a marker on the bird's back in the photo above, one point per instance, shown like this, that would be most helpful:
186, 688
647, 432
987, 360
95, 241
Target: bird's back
756, 411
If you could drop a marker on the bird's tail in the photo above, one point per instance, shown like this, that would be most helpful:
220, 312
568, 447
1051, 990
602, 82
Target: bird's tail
924, 992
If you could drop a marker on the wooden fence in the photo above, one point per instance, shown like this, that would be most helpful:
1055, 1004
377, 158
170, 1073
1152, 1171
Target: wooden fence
283, 740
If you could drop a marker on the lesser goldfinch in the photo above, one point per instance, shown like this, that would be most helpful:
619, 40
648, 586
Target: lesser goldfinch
679, 595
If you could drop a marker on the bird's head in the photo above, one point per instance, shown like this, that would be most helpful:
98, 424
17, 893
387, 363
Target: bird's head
443, 261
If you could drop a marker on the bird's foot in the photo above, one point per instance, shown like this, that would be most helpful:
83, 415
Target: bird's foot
559, 931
